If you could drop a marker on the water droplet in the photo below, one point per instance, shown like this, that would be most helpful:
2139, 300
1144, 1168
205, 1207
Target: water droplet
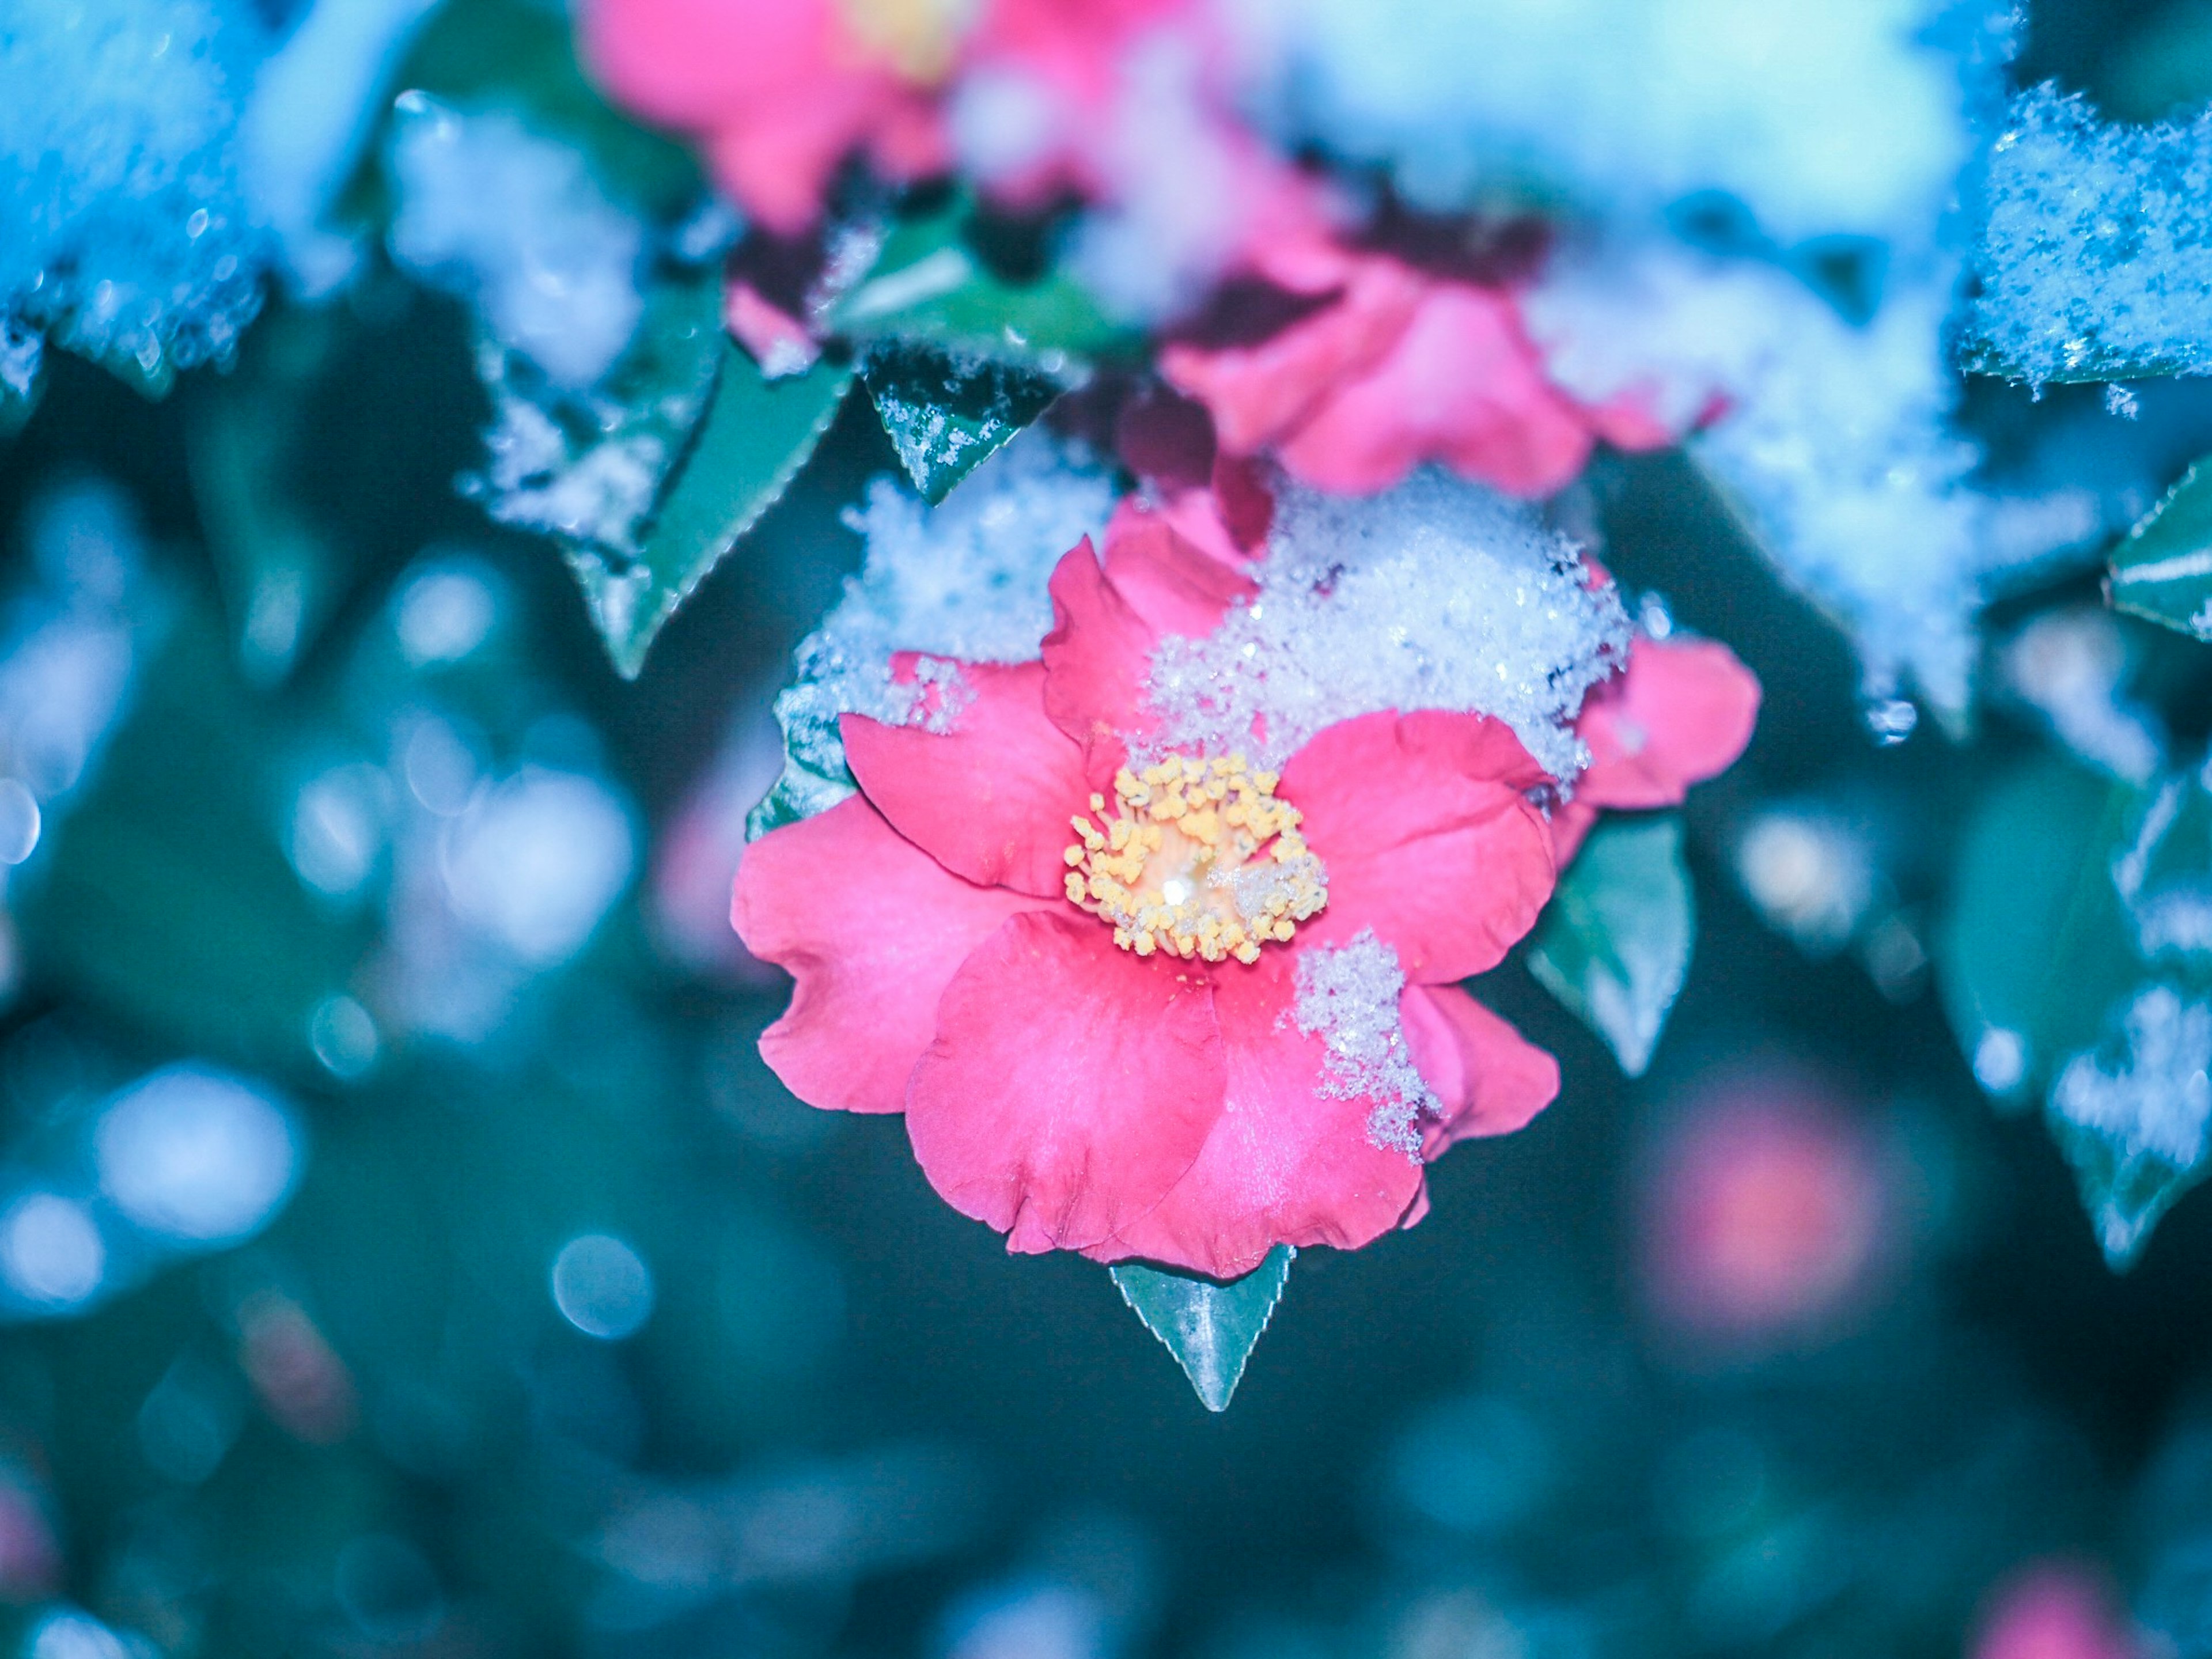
1890, 719
602, 1286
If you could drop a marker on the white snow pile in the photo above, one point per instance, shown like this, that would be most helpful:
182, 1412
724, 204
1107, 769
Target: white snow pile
1437, 594
128, 235
2096, 257
1348, 996
963, 580
517, 225
1822, 117
1836, 444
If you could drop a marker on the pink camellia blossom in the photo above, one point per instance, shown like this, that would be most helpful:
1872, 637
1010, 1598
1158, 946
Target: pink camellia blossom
1679, 713
1080, 972
2054, 1610
781, 92
1769, 1217
1390, 366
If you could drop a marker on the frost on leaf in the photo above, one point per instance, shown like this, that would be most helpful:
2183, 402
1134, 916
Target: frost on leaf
1348, 996
2133, 1124
2096, 257
1438, 594
963, 580
946, 412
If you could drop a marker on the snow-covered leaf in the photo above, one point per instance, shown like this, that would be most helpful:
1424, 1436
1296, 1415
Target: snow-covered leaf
930, 283
1209, 1327
758, 433
1614, 942
2095, 258
2133, 1124
2036, 945
947, 412
2163, 569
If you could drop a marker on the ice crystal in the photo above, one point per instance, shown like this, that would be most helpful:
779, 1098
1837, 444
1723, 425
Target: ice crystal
2097, 253
963, 581
1348, 996
2135, 1130
128, 235
1438, 594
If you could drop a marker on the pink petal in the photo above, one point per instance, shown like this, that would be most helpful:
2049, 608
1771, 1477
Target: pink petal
1176, 586
991, 800
1489, 1079
1285, 1164
694, 64
1070, 1085
872, 927
778, 341
1259, 392
1680, 711
1421, 823
1461, 385
1097, 657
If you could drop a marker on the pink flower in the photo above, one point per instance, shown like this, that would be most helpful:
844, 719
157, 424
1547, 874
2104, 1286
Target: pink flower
2054, 1610
1679, 713
1096, 1036
1770, 1216
1391, 368
782, 91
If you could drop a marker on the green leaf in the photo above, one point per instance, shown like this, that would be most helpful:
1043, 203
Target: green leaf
756, 435
946, 414
2162, 570
1209, 1327
929, 284
2034, 945
1614, 942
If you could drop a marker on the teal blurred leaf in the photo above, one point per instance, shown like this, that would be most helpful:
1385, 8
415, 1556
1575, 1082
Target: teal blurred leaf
2035, 946
930, 284
283, 573
2126, 1187
1614, 942
1211, 1328
947, 413
756, 435
2162, 570
167, 896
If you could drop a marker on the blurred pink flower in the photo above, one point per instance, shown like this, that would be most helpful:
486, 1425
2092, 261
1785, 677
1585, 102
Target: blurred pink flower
1096, 1049
1385, 366
780, 92
1765, 1215
2054, 1610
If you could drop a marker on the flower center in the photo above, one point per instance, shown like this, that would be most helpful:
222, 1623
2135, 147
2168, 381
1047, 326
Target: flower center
1197, 857
920, 37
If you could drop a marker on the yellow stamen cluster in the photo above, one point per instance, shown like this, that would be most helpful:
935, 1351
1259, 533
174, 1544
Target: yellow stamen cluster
921, 38
1198, 858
